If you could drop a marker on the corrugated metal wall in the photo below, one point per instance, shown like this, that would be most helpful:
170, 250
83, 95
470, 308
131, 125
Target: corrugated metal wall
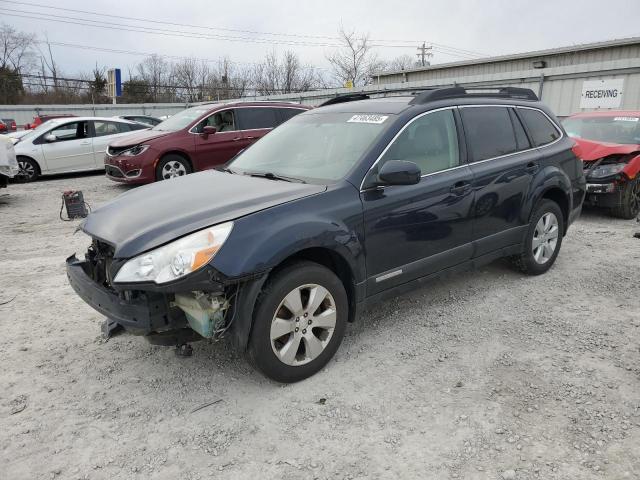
561, 81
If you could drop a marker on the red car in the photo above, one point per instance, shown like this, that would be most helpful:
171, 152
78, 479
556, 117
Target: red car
10, 124
609, 145
195, 139
4, 128
40, 119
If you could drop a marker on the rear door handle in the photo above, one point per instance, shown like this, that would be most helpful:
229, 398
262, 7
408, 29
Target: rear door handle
237, 139
85, 143
250, 138
532, 167
460, 188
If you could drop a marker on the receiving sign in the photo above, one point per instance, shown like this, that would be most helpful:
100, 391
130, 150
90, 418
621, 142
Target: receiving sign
602, 93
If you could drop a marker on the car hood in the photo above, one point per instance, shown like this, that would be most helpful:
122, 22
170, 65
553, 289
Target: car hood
137, 138
150, 216
589, 150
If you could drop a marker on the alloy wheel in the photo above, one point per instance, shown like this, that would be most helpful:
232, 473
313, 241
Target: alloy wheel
26, 170
303, 324
545, 238
173, 169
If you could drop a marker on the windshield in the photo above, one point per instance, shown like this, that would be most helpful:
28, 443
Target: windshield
40, 129
621, 129
317, 147
181, 120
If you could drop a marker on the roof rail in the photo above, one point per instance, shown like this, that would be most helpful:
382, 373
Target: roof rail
349, 97
457, 92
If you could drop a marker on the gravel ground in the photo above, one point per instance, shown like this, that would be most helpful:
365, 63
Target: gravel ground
489, 375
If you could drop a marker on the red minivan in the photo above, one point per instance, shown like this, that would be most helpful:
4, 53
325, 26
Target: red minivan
195, 139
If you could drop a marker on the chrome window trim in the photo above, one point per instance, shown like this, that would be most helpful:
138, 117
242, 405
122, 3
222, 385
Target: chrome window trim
469, 163
245, 107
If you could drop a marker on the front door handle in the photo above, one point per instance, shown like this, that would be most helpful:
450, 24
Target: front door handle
532, 167
460, 188
250, 138
237, 139
85, 143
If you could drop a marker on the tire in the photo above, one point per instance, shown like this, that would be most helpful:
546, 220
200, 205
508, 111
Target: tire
309, 338
29, 170
172, 166
629, 201
545, 229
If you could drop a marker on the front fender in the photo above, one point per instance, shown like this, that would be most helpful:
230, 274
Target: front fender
261, 241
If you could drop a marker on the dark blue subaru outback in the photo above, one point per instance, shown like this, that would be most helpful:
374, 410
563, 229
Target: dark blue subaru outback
335, 209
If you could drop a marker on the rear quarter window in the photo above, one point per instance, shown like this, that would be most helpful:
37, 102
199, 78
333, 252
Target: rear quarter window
540, 128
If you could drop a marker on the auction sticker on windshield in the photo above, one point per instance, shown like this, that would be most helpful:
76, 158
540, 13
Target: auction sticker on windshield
371, 118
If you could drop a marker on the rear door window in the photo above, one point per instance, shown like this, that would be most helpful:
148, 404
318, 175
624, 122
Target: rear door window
489, 132
540, 127
257, 118
288, 113
103, 128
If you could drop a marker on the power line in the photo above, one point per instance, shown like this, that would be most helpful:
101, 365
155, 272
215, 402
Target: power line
454, 51
160, 22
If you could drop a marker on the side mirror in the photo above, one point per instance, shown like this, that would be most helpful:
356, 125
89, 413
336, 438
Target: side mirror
399, 172
208, 130
50, 137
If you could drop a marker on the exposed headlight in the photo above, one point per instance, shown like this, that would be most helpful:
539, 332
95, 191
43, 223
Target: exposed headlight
177, 258
602, 171
137, 150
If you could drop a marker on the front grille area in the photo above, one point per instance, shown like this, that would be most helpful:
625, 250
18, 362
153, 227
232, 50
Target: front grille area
113, 171
99, 257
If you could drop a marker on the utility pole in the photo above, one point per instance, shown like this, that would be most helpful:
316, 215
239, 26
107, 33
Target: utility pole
424, 53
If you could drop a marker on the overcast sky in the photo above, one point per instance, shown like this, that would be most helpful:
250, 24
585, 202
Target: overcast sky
488, 27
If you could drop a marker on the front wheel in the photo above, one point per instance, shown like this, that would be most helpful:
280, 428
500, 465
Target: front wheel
172, 166
543, 241
629, 201
28, 170
299, 322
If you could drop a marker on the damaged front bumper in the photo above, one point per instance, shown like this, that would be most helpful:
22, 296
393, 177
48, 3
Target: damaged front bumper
140, 312
170, 315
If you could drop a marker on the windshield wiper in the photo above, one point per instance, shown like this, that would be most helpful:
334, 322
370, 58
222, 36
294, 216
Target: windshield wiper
273, 176
226, 169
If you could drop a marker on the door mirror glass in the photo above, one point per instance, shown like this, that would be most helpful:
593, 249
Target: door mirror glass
50, 137
399, 172
209, 130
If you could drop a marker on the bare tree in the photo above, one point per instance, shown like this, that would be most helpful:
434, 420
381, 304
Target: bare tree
286, 75
191, 77
16, 49
155, 71
403, 62
355, 61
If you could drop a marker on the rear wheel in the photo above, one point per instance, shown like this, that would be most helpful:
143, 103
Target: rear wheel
28, 170
629, 201
543, 241
299, 322
172, 166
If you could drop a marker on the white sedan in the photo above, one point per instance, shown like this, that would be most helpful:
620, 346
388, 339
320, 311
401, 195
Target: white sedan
71, 144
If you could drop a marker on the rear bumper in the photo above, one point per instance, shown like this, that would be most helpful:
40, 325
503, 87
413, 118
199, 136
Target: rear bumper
148, 312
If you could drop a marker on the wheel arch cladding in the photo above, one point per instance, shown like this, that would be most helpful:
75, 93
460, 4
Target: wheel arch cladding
250, 293
558, 196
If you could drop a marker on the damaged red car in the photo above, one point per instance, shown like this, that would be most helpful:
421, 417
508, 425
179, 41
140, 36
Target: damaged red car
609, 145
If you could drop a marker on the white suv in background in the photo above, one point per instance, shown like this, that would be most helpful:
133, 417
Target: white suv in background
71, 144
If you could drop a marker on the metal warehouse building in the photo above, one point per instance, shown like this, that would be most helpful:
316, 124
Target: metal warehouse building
604, 75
